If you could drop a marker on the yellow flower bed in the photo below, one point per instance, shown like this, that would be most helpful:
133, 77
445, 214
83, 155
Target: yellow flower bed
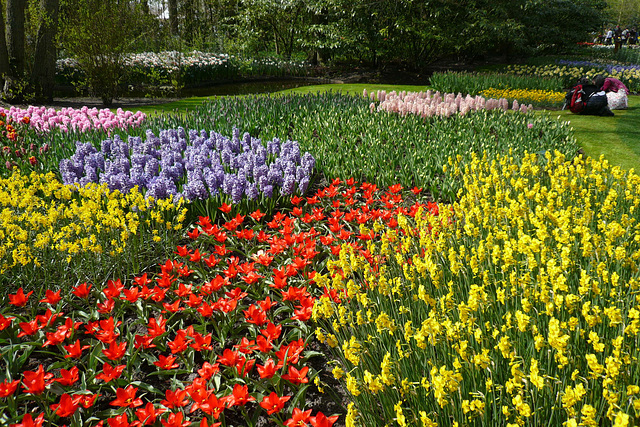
571, 75
41, 218
518, 305
566, 72
526, 96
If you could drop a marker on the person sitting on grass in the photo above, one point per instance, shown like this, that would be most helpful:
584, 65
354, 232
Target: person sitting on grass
586, 98
617, 92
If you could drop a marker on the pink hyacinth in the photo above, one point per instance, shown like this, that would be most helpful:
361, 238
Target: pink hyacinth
44, 119
426, 104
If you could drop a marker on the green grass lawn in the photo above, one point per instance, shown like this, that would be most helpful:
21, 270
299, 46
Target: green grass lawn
617, 138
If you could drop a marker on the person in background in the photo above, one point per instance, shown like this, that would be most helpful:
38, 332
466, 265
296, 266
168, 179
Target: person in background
617, 38
633, 36
616, 91
609, 37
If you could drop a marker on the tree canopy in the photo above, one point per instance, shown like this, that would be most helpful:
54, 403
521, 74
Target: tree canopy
414, 32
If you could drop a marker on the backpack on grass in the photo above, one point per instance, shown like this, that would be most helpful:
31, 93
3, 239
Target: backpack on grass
587, 99
575, 99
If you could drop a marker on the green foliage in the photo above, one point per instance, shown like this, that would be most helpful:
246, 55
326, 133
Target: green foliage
626, 55
623, 12
98, 33
558, 24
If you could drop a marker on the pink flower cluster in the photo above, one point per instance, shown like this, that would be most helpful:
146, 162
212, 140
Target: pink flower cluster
427, 104
83, 119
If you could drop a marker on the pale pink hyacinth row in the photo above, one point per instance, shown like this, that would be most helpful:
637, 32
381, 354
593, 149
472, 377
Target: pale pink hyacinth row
429, 103
82, 119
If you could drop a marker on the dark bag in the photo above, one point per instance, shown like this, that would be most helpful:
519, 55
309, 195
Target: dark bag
587, 99
597, 105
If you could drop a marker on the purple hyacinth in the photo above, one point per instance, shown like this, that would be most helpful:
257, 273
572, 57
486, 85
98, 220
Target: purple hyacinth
251, 190
288, 185
192, 164
238, 189
273, 147
268, 191
195, 188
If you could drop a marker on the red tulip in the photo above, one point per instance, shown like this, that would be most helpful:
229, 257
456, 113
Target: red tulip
68, 377
65, 407
28, 421
126, 398
115, 351
297, 376
7, 388
274, 403
175, 399
5, 322
82, 290
34, 381
51, 297
110, 373
299, 418
19, 299
240, 395
208, 370
175, 420
269, 369
148, 414
166, 362
119, 421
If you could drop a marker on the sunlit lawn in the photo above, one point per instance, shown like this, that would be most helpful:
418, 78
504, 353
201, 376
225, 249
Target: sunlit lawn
618, 137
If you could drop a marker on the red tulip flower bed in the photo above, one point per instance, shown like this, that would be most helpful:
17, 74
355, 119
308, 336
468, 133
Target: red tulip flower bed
219, 335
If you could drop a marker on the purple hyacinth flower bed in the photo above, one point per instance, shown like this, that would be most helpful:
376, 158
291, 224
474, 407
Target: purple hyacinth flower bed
192, 165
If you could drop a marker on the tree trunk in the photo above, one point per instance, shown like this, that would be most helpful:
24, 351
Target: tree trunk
292, 32
4, 55
173, 17
318, 54
189, 21
13, 90
44, 62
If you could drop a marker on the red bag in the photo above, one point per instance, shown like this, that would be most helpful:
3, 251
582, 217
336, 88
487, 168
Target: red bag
577, 102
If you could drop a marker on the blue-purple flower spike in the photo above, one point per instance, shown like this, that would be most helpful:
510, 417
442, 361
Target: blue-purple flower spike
193, 165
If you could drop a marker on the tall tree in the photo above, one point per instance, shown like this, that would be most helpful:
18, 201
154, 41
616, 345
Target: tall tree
189, 21
280, 22
14, 83
551, 23
98, 33
624, 12
4, 55
44, 61
173, 17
